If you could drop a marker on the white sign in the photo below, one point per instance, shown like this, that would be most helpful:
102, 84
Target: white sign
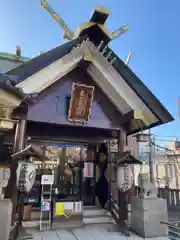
77, 207
69, 206
88, 169
47, 180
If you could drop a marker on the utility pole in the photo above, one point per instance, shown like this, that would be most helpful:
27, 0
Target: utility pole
151, 167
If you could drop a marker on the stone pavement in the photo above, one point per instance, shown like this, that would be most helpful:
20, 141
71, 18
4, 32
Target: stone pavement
90, 232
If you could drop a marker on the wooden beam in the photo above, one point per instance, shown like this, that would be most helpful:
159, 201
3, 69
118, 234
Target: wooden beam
126, 118
134, 126
11, 190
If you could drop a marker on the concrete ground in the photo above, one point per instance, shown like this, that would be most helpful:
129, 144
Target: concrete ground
89, 232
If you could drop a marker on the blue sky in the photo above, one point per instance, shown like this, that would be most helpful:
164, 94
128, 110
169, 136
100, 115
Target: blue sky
153, 38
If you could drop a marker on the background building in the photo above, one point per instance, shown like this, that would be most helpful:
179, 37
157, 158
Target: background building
166, 163
8, 61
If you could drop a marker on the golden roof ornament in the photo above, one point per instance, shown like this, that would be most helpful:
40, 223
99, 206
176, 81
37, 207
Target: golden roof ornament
94, 29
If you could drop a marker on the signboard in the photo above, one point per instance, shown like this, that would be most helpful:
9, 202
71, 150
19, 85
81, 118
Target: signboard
80, 103
88, 169
77, 207
47, 180
64, 209
59, 209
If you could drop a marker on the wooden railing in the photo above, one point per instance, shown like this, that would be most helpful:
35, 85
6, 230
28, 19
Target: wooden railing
117, 212
114, 209
173, 203
171, 195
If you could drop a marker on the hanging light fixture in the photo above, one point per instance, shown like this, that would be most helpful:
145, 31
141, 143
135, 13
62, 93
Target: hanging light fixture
124, 175
6, 123
142, 137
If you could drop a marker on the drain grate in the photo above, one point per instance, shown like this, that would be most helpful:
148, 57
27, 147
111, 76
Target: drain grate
174, 229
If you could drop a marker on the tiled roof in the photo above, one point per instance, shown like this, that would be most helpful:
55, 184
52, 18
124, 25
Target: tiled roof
34, 65
28, 69
141, 90
7, 83
12, 57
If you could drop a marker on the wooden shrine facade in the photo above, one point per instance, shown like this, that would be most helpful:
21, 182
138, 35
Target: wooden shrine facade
76, 92
80, 92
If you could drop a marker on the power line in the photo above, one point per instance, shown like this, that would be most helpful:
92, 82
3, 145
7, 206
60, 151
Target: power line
164, 140
164, 136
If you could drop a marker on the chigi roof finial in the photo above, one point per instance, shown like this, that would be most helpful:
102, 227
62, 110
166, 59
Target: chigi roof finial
94, 29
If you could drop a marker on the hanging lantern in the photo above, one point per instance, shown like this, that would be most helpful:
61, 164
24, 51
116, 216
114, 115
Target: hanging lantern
26, 174
124, 161
124, 177
6, 123
142, 137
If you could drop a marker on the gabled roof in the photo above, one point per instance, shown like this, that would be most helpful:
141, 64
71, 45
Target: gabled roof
125, 90
7, 83
36, 64
122, 158
141, 90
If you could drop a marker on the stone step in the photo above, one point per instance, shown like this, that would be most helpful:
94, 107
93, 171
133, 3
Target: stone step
86, 221
91, 215
98, 220
94, 212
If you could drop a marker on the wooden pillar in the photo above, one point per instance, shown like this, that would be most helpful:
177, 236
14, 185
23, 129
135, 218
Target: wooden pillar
109, 175
122, 196
62, 177
19, 144
22, 135
123, 214
13, 165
